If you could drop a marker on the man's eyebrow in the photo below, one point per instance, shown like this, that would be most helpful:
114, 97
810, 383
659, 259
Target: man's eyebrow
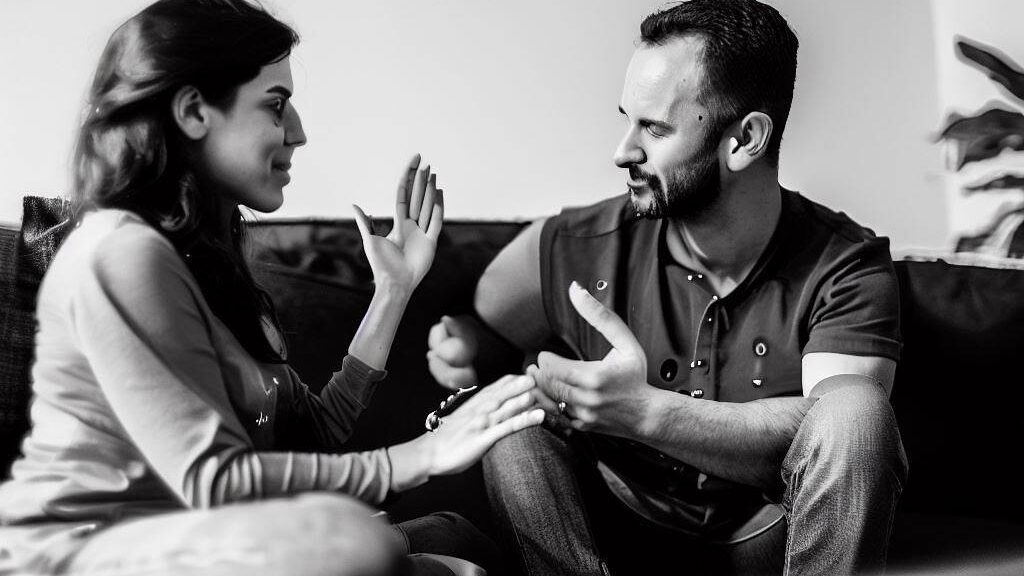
659, 123
280, 90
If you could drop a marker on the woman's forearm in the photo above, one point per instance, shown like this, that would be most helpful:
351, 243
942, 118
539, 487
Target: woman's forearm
372, 342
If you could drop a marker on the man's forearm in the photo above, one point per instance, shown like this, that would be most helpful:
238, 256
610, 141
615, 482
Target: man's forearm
742, 442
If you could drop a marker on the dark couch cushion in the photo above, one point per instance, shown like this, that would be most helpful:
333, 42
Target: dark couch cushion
24, 256
958, 395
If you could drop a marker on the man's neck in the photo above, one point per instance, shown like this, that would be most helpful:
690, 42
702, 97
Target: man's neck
725, 241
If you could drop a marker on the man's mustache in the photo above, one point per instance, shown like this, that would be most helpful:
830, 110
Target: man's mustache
638, 175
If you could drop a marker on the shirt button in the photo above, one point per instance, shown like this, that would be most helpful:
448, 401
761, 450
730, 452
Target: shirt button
760, 347
757, 382
669, 369
689, 277
714, 298
698, 393
710, 319
696, 363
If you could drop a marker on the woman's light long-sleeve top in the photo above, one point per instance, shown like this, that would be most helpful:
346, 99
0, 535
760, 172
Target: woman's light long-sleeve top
145, 401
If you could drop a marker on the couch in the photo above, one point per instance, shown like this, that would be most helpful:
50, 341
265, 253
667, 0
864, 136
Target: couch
958, 397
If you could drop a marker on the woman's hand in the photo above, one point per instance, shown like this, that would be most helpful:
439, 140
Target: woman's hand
462, 438
401, 259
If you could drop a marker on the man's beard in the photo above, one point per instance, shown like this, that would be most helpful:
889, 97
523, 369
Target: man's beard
690, 190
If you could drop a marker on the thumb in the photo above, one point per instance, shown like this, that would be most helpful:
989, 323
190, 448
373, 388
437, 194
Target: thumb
457, 328
364, 224
604, 320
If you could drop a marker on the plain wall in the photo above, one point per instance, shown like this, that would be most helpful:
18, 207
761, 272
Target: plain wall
514, 103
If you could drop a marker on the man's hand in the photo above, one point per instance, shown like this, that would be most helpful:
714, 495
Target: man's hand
453, 346
609, 395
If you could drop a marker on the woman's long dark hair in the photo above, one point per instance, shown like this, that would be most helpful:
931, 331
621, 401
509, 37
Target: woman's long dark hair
130, 153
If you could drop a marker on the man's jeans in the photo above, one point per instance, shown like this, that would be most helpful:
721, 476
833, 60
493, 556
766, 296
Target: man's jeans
843, 475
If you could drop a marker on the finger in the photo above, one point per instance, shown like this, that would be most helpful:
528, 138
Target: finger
364, 224
418, 188
437, 217
541, 399
429, 196
438, 333
404, 189
503, 389
459, 328
449, 376
604, 320
510, 408
455, 352
558, 391
575, 372
514, 424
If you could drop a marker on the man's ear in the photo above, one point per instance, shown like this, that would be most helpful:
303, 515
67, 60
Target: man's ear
755, 131
190, 112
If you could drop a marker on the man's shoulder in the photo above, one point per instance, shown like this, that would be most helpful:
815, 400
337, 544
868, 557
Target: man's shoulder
824, 221
596, 219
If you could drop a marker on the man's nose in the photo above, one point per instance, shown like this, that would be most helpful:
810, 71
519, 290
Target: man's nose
629, 151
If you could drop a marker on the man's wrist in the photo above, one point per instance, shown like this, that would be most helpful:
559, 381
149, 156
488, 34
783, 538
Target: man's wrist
652, 409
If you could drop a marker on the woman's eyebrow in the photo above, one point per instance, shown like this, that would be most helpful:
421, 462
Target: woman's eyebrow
280, 90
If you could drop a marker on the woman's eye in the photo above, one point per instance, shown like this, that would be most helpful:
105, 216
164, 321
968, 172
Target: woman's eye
278, 106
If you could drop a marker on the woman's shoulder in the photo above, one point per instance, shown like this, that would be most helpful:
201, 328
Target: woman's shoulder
116, 244
118, 236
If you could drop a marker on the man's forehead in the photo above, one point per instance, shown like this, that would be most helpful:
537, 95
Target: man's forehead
668, 71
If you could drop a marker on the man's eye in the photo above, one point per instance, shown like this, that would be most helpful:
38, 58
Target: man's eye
654, 130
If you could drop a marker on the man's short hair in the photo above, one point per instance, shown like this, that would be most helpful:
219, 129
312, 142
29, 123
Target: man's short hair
749, 58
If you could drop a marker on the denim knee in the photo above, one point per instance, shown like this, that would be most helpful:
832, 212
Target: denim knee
850, 429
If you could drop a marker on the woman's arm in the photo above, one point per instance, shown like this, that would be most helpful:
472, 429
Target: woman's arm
399, 260
137, 316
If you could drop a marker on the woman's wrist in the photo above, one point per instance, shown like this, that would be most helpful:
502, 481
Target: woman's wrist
392, 291
410, 463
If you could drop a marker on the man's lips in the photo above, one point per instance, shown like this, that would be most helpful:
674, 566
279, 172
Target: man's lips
282, 166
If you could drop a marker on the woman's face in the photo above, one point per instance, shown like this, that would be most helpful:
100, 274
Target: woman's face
247, 151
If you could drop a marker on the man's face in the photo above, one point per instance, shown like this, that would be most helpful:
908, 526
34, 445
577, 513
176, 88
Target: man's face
668, 148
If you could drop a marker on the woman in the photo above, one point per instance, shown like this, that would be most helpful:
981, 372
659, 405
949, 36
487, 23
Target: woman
161, 388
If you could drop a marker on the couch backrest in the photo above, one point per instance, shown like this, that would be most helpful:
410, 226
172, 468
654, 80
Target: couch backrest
957, 395
959, 392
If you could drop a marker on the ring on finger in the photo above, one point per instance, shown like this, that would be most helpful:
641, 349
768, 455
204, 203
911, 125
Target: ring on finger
561, 407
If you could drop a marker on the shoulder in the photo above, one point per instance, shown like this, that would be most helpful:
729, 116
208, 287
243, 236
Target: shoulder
119, 249
829, 236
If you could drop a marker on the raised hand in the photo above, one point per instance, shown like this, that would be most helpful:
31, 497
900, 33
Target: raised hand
452, 347
462, 437
402, 258
607, 395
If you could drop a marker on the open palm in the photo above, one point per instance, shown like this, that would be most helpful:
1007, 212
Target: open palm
403, 257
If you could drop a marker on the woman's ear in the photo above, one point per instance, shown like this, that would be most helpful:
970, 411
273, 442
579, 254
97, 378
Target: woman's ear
190, 114
755, 131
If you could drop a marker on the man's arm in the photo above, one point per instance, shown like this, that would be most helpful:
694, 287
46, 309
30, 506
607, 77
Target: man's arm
508, 301
746, 442
743, 442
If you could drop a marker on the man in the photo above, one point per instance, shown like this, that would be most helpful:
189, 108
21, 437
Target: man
726, 347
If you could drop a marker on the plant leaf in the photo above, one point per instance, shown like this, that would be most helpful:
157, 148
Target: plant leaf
996, 65
1002, 182
985, 134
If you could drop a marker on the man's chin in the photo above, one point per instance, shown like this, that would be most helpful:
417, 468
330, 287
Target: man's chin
643, 203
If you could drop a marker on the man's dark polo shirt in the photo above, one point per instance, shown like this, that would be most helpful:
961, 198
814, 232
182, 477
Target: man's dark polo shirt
823, 284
